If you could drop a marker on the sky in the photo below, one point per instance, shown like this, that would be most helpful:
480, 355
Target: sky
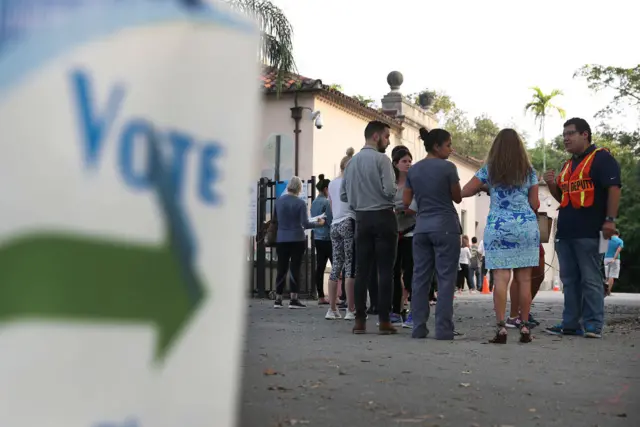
484, 54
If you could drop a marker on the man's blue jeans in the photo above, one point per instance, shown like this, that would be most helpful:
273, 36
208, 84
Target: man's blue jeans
582, 282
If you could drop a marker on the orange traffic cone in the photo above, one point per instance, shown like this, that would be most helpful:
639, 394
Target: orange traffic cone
485, 286
556, 286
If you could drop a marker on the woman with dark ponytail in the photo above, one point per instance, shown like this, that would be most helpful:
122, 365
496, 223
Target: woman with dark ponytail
321, 236
434, 184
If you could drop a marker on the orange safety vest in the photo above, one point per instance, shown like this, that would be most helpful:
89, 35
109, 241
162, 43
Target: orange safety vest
577, 186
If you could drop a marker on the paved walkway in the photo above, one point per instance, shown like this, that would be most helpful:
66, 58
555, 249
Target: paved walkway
300, 369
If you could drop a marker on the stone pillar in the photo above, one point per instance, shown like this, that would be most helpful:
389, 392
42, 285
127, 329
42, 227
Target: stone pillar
413, 116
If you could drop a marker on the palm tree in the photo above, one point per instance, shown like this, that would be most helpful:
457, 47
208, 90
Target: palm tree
277, 35
541, 106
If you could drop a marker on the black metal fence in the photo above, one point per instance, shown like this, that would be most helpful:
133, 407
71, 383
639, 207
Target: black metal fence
262, 260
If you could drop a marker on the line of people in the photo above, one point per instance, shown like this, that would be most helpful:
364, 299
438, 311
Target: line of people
392, 225
428, 193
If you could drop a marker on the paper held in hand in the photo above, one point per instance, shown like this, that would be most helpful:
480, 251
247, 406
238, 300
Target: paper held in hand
604, 244
314, 219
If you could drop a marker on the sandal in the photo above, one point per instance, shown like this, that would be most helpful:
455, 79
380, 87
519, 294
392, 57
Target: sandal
525, 333
501, 334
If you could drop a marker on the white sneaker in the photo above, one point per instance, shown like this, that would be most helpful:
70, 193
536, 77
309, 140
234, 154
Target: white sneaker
332, 315
351, 315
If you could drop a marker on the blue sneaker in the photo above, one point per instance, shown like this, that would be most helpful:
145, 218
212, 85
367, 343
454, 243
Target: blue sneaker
409, 322
592, 332
395, 319
555, 330
559, 330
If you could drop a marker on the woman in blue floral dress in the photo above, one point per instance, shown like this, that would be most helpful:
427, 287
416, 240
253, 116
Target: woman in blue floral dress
512, 236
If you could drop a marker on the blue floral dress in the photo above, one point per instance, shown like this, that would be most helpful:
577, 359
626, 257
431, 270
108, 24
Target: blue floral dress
512, 236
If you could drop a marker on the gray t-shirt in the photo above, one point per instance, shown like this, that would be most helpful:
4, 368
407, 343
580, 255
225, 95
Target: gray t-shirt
368, 182
431, 181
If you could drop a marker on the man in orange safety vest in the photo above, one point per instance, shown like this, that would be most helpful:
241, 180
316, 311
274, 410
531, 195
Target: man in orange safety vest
588, 190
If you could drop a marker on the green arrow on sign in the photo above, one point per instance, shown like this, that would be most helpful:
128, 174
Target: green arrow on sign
66, 277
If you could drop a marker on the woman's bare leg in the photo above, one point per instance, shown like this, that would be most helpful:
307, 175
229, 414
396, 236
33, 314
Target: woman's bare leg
349, 287
514, 295
333, 292
501, 282
523, 277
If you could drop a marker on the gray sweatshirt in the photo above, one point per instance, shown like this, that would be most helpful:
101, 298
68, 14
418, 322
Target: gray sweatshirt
369, 183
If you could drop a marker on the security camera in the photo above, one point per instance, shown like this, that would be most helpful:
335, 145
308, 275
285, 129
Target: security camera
317, 117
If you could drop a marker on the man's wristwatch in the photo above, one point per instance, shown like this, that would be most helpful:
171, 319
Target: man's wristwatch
610, 219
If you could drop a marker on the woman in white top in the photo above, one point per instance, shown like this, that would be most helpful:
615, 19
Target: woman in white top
343, 229
465, 259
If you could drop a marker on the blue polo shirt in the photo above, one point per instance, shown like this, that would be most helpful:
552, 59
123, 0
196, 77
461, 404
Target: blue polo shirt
614, 244
587, 222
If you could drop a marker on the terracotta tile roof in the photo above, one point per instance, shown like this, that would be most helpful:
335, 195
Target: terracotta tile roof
297, 83
291, 82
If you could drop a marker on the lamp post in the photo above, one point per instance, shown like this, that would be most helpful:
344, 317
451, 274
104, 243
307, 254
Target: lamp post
296, 115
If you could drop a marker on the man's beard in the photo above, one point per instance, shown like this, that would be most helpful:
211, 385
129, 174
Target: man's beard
382, 149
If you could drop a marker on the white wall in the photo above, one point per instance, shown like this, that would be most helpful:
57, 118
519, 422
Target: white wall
276, 120
483, 202
466, 172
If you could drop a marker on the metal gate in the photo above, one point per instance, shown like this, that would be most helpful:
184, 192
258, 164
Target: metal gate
263, 260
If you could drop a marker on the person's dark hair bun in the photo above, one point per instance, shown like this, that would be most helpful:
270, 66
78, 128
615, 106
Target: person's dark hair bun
350, 151
434, 138
322, 183
424, 134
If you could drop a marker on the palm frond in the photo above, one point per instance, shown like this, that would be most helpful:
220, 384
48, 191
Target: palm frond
540, 105
555, 92
537, 92
561, 111
277, 35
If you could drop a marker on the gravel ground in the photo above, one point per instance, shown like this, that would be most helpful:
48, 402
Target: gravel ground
300, 369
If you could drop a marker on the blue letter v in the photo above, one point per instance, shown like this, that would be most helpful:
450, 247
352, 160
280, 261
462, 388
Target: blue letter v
93, 128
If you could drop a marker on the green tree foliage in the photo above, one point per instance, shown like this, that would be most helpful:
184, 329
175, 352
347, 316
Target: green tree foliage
364, 100
623, 82
438, 102
555, 155
442, 104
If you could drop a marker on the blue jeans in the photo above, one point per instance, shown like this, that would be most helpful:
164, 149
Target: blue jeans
582, 282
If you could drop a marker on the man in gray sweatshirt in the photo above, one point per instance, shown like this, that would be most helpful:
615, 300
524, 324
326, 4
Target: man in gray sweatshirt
369, 187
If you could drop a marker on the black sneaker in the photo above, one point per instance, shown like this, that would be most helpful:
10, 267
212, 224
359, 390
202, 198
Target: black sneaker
277, 303
294, 303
